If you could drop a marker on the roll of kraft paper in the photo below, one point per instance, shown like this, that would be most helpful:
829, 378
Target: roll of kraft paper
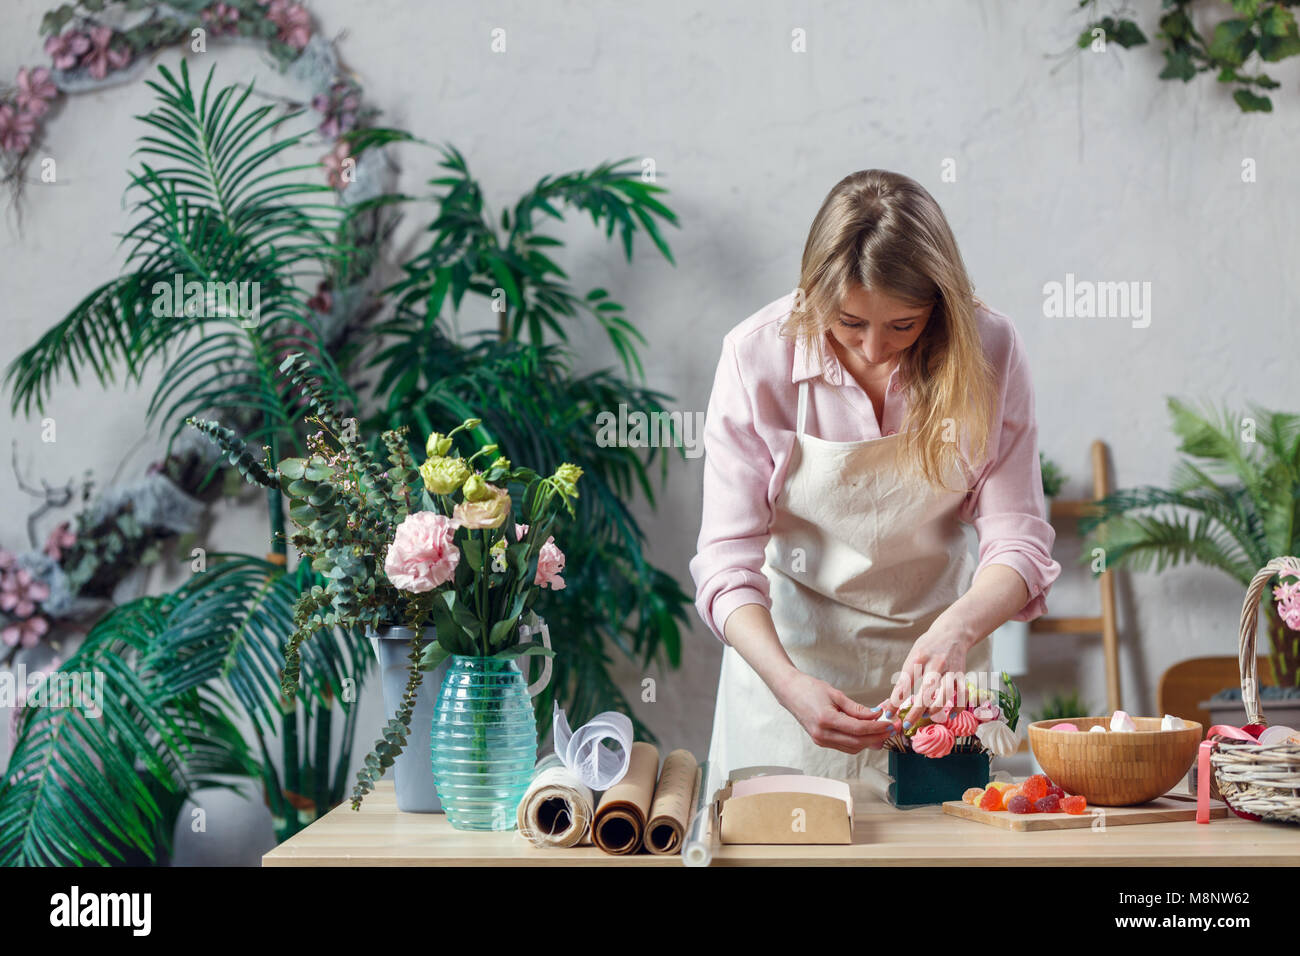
670, 811
621, 816
557, 808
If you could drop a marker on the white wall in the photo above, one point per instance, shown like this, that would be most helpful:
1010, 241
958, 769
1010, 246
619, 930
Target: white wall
1096, 168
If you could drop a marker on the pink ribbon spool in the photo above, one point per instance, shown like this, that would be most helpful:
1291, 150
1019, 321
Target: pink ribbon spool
1203, 777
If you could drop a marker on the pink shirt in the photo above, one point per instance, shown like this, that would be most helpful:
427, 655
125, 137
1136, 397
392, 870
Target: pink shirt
749, 432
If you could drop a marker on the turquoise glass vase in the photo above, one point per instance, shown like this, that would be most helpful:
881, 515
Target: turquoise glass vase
484, 742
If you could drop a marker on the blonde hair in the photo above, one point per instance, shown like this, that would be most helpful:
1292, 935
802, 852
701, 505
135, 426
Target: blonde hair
882, 230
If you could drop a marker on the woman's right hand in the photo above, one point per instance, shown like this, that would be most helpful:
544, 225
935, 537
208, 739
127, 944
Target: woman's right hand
830, 717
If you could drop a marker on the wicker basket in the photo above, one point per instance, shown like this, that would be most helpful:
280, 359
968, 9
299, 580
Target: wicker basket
1256, 781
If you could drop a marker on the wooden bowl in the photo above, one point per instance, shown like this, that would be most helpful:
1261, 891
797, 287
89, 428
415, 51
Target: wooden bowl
1114, 769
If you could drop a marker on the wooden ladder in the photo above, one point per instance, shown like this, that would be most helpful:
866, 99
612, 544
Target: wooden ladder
1104, 624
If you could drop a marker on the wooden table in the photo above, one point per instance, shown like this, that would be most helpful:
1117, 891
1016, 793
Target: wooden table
380, 835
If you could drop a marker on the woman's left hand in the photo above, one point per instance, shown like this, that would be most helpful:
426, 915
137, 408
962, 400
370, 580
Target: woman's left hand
932, 674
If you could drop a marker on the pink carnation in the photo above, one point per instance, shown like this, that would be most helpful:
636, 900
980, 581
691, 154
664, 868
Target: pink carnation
423, 554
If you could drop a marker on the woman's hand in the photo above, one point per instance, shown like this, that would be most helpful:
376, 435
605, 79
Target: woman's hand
932, 675
830, 717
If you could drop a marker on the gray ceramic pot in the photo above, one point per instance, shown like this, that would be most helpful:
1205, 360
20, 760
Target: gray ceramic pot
412, 771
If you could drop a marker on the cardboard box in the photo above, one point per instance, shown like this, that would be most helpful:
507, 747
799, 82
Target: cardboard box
786, 809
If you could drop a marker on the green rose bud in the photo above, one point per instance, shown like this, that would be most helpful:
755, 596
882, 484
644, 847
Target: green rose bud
502, 463
437, 445
442, 476
476, 489
566, 477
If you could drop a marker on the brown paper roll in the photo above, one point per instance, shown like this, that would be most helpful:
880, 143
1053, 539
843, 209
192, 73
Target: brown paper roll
619, 824
670, 811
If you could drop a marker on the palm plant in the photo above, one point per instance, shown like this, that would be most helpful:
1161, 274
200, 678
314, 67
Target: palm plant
1236, 523
211, 217
534, 407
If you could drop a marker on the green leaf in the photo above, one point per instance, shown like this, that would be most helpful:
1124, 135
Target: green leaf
1232, 42
472, 548
432, 656
1252, 103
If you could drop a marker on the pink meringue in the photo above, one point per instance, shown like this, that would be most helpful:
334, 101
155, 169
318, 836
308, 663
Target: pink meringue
1065, 726
986, 712
963, 723
933, 740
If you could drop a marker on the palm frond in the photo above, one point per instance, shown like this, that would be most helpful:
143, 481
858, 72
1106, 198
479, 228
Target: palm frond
85, 786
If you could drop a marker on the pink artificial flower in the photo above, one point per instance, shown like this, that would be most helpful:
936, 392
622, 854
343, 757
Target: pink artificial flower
334, 162
220, 18
20, 593
104, 56
293, 20
67, 48
60, 539
28, 632
1288, 603
323, 300
340, 108
16, 129
35, 90
423, 554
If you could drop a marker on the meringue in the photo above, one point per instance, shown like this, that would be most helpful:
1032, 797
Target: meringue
963, 723
1066, 727
1096, 729
1276, 735
986, 712
1170, 722
997, 737
933, 740
1121, 722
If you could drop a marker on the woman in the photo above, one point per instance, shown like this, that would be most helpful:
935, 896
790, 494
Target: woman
854, 424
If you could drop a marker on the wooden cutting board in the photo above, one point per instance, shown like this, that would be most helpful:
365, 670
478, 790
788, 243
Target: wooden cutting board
1170, 808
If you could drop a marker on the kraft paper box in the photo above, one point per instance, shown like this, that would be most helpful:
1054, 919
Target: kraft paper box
787, 809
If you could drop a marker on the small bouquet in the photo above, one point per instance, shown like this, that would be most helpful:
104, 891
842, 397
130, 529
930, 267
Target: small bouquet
398, 544
986, 724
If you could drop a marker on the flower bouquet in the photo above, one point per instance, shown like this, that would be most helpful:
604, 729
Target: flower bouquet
939, 758
434, 545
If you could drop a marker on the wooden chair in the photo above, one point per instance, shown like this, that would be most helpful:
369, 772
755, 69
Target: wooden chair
1183, 686
1104, 624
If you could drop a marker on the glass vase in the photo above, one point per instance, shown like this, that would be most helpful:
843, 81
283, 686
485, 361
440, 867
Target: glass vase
484, 742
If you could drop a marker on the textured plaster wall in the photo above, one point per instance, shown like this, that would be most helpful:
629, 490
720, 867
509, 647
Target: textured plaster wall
1064, 164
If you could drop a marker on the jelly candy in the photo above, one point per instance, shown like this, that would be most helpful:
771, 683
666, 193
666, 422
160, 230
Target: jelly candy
1019, 804
972, 795
1075, 804
1034, 787
1048, 804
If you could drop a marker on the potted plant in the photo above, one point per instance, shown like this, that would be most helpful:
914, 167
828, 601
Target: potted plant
936, 761
435, 550
1234, 505
1053, 480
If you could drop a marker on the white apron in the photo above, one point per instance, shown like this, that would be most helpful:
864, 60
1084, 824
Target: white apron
862, 558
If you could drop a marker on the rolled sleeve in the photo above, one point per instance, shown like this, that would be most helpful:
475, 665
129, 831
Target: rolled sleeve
736, 518
1006, 503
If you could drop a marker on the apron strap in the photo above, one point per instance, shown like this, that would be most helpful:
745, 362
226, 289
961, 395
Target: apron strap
803, 407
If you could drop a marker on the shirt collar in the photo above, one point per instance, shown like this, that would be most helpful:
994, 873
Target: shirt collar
807, 365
